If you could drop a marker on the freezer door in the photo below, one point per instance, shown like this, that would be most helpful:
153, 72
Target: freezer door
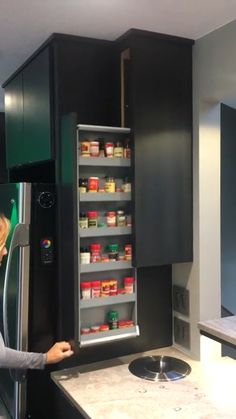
14, 283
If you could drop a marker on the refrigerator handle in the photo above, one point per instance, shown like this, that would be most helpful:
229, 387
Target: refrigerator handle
20, 238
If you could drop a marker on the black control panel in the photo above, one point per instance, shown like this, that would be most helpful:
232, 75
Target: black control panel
46, 247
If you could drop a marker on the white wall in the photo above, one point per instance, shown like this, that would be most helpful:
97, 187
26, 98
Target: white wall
214, 81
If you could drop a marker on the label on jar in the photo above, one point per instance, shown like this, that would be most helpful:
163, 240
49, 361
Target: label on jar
92, 222
84, 148
83, 223
94, 149
118, 152
93, 184
110, 186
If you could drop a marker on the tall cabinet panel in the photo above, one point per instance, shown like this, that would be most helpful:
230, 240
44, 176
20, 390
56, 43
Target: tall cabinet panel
14, 121
29, 113
37, 109
158, 78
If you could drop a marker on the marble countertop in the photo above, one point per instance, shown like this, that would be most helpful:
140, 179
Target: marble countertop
223, 328
107, 390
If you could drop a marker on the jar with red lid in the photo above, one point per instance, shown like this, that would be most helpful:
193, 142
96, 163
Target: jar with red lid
104, 328
85, 288
94, 329
95, 289
111, 218
93, 184
109, 149
129, 284
92, 219
85, 331
95, 251
94, 148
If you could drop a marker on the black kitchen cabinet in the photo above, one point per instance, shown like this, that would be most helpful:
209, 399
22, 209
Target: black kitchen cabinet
28, 113
158, 107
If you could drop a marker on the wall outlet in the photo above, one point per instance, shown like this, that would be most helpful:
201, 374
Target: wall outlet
182, 332
181, 300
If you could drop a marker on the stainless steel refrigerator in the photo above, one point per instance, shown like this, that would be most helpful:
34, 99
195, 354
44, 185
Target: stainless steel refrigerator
28, 297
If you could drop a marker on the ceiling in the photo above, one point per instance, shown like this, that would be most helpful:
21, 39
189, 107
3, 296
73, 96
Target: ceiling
25, 24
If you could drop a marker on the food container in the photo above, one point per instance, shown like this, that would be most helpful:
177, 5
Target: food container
94, 148
129, 284
113, 252
113, 286
105, 288
85, 148
84, 255
111, 218
92, 219
112, 318
104, 328
128, 252
85, 331
95, 289
95, 250
109, 149
93, 184
120, 218
94, 329
83, 221
85, 288
110, 185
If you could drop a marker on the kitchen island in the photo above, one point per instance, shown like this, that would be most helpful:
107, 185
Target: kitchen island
107, 390
223, 330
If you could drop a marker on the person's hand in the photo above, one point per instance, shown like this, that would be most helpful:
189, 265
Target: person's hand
58, 352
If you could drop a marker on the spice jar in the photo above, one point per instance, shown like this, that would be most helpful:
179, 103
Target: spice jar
93, 184
85, 330
112, 318
85, 148
127, 149
85, 290
83, 185
92, 219
105, 288
118, 149
128, 252
95, 250
109, 149
113, 252
84, 255
83, 221
104, 328
113, 286
94, 329
94, 148
129, 284
110, 185
111, 218
101, 147
126, 186
120, 218
95, 289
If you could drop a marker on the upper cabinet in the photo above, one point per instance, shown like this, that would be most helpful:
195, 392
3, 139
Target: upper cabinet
28, 113
156, 102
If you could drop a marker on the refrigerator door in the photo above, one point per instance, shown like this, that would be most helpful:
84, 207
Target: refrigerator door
14, 284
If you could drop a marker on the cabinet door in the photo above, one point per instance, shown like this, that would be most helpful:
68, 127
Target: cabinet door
37, 124
161, 114
14, 122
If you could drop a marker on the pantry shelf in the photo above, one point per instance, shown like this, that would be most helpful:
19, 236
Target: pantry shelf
103, 196
111, 335
104, 266
102, 128
104, 231
104, 161
104, 301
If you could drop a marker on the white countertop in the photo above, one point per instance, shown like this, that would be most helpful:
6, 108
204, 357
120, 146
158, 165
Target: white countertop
223, 328
107, 390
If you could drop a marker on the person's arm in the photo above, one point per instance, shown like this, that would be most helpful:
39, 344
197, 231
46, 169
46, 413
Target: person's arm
10, 358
